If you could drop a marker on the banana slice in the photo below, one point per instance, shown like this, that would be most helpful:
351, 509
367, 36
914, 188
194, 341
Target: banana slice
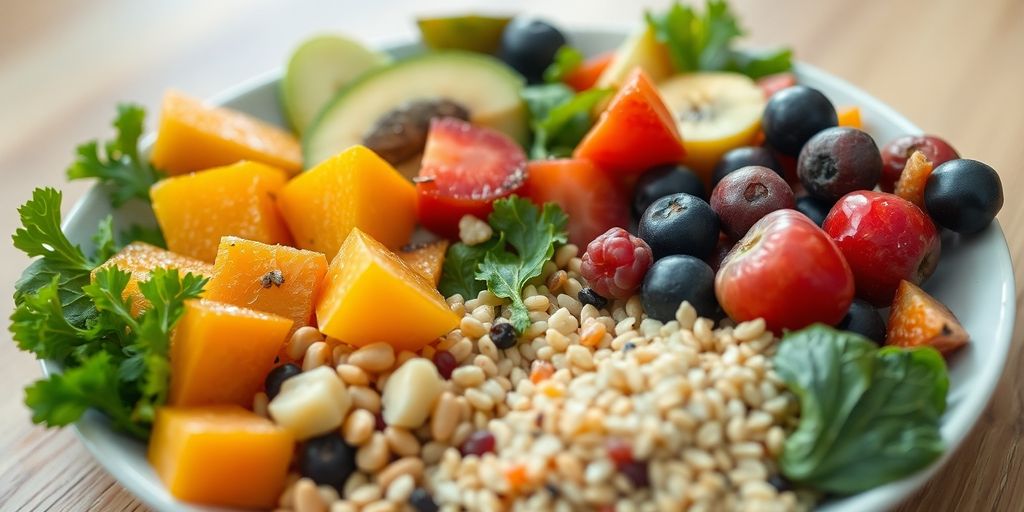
716, 112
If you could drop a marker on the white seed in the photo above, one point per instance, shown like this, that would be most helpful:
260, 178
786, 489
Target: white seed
410, 393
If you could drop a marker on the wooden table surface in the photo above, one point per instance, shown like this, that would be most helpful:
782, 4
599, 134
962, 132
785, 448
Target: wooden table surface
953, 67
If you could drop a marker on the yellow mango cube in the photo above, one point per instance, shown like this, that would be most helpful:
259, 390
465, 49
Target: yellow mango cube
140, 259
221, 354
193, 136
371, 295
196, 210
220, 455
354, 189
271, 278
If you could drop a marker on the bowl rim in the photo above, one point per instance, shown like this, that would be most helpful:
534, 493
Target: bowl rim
94, 431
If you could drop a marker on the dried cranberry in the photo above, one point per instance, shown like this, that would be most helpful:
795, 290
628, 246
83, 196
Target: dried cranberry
445, 363
636, 472
380, 424
478, 443
620, 452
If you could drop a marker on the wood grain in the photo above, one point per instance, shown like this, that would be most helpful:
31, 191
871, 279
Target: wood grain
952, 67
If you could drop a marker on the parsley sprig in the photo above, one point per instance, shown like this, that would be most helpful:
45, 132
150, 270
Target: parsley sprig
118, 165
525, 238
704, 41
113, 361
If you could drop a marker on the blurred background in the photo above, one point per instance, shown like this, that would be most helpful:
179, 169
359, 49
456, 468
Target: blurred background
953, 67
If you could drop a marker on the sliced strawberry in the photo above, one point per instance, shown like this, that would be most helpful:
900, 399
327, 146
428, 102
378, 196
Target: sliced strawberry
464, 169
635, 132
772, 84
590, 197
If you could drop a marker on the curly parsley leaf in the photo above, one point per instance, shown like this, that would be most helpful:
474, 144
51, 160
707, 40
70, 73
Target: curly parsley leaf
118, 165
532, 234
458, 272
567, 60
40, 233
867, 416
560, 117
703, 41
62, 398
38, 325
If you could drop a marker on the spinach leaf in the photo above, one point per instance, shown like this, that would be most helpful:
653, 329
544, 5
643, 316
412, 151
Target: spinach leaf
867, 416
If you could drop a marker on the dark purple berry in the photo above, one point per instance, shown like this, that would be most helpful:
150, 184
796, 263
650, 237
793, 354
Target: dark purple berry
504, 335
422, 501
478, 443
589, 296
445, 363
277, 376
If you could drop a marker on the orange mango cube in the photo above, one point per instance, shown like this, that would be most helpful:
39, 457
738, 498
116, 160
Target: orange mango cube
196, 210
193, 136
220, 353
140, 259
850, 117
271, 278
427, 259
354, 189
371, 295
220, 455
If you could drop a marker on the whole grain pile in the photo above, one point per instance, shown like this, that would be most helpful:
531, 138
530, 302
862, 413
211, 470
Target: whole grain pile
593, 410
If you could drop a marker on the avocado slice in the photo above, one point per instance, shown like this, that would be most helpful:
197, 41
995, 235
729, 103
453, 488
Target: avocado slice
482, 84
317, 69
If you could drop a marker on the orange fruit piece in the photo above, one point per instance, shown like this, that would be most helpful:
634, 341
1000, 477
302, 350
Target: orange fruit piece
918, 319
193, 136
353, 189
585, 76
220, 354
850, 117
635, 132
140, 259
274, 279
913, 179
220, 455
196, 210
371, 295
427, 259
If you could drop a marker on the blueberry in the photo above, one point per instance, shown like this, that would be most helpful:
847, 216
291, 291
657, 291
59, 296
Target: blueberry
422, 501
529, 45
675, 279
589, 296
963, 195
662, 180
793, 115
864, 319
327, 460
680, 224
814, 209
503, 335
277, 376
838, 161
745, 157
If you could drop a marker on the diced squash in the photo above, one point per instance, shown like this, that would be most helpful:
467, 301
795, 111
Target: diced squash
850, 117
140, 259
196, 210
271, 278
918, 319
427, 259
370, 295
193, 136
220, 455
220, 353
354, 189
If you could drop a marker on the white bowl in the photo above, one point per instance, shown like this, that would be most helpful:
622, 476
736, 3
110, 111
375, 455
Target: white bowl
974, 278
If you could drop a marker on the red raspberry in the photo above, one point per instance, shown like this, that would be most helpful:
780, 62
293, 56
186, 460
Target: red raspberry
615, 263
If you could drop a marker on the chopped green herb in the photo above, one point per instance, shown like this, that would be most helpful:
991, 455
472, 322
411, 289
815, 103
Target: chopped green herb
532, 235
703, 41
867, 416
458, 273
567, 60
560, 117
119, 166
